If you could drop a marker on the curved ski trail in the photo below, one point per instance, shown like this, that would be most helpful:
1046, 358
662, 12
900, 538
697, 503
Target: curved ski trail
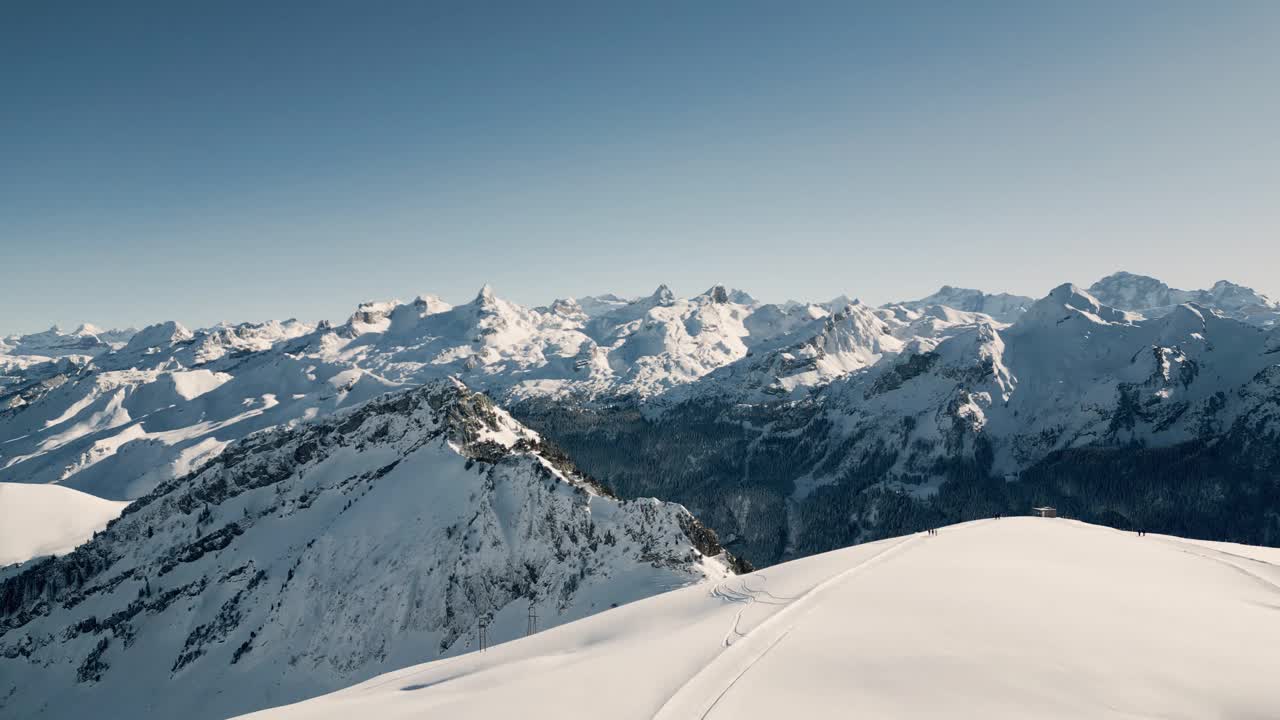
701, 692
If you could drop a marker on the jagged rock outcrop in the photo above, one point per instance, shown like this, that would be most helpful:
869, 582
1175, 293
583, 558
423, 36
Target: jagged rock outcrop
306, 558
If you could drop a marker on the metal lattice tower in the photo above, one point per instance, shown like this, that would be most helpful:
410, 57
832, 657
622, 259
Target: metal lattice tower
483, 633
533, 621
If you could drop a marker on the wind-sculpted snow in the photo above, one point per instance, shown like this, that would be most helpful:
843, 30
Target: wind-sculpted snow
306, 558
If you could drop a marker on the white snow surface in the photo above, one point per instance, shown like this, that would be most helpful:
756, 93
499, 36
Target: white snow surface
37, 520
1011, 618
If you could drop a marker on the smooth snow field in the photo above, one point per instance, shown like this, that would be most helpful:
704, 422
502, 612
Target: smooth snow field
1010, 618
38, 520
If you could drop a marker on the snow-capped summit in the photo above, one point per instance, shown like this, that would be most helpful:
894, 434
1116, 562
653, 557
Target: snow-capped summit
305, 558
1002, 306
210, 344
485, 296
837, 302
1153, 298
662, 296
794, 364
1066, 302
567, 308
54, 342
1136, 292
717, 294
594, 305
157, 337
720, 294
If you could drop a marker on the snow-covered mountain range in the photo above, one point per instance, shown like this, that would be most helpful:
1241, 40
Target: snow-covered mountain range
788, 427
1171, 420
84, 340
1015, 618
1153, 298
315, 504
115, 413
311, 556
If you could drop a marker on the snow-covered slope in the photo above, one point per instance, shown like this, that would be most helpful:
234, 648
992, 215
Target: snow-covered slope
1153, 298
1002, 306
1010, 618
305, 558
84, 340
1070, 372
40, 520
806, 357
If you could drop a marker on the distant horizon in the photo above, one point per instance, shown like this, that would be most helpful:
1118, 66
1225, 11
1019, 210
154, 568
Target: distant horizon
68, 327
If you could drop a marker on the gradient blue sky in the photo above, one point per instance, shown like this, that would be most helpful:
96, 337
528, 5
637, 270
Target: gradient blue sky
242, 161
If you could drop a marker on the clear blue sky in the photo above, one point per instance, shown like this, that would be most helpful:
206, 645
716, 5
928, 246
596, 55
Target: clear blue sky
242, 161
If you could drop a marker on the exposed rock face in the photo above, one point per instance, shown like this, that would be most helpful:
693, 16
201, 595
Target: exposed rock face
303, 559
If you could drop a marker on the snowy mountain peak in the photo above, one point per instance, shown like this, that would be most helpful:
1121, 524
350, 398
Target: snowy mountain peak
160, 335
838, 302
430, 304
723, 295
486, 296
1230, 296
306, 558
1003, 306
1134, 292
54, 342
1067, 301
1153, 298
662, 296
567, 308
372, 316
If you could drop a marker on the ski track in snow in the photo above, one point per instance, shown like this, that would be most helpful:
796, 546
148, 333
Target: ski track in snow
695, 698
1225, 558
1042, 618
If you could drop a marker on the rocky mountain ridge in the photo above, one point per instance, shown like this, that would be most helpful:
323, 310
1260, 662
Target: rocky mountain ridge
305, 558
